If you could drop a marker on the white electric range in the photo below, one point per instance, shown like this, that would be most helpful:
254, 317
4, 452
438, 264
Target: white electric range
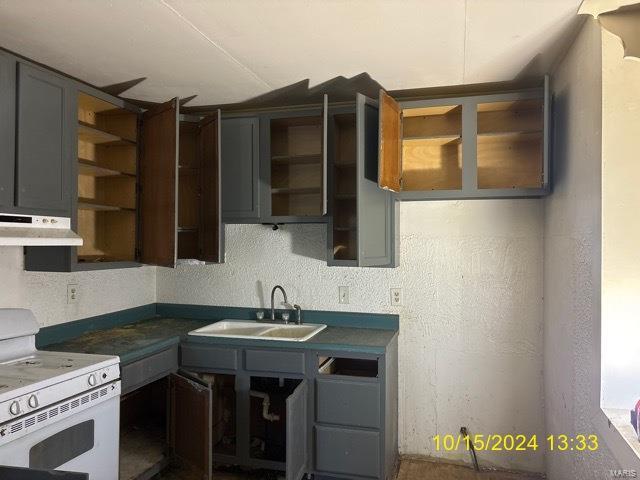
58, 411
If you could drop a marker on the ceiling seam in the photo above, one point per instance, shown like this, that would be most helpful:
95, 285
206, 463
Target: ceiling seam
216, 45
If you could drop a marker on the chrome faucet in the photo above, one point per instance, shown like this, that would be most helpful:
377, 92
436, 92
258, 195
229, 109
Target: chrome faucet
273, 293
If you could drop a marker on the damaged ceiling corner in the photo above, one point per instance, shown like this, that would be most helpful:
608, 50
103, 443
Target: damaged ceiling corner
619, 17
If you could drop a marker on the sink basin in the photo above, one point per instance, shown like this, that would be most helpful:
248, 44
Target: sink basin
260, 330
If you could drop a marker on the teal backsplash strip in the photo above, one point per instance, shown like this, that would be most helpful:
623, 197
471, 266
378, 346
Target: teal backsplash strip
382, 321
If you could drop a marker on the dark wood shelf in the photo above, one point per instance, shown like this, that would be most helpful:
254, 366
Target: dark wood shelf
296, 191
296, 159
345, 196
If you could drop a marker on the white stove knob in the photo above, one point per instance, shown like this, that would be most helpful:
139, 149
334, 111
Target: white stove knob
14, 408
92, 380
33, 401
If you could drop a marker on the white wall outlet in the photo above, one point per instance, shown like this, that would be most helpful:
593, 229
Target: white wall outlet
73, 293
343, 295
396, 297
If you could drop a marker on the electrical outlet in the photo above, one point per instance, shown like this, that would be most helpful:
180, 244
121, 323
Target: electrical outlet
343, 295
73, 293
396, 297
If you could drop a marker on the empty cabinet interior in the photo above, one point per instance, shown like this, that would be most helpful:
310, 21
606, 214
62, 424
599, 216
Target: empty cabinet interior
510, 144
432, 148
199, 190
143, 431
268, 418
107, 172
345, 240
297, 166
352, 367
223, 413
189, 215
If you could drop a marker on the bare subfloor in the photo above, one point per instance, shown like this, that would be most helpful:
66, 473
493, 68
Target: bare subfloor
410, 469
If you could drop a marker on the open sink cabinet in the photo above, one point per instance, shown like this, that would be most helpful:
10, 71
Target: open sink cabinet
298, 411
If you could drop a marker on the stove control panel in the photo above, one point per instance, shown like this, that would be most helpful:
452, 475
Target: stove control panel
46, 396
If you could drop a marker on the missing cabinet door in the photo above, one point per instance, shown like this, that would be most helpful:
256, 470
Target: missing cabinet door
352, 367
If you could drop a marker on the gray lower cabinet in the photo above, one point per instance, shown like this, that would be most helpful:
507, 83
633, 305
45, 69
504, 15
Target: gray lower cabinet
241, 170
339, 408
7, 130
46, 109
346, 451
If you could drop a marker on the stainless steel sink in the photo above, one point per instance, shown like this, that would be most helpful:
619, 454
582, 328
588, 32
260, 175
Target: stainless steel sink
260, 330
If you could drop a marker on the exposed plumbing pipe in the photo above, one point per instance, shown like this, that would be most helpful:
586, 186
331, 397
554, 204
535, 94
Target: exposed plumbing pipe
266, 403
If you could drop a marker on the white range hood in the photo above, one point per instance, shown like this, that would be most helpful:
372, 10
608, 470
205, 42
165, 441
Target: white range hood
36, 231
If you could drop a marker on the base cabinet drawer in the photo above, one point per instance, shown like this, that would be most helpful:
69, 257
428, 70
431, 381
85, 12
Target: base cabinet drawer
274, 361
146, 370
347, 452
349, 403
204, 356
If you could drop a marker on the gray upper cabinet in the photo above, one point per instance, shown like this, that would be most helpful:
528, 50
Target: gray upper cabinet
44, 142
478, 146
293, 163
241, 170
7, 129
362, 229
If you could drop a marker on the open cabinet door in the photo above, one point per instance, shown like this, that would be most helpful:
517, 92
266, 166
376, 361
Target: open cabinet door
375, 206
297, 448
390, 155
325, 156
190, 422
159, 185
212, 239
20, 473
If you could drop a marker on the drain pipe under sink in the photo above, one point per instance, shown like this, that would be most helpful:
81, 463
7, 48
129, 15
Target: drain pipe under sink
266, 403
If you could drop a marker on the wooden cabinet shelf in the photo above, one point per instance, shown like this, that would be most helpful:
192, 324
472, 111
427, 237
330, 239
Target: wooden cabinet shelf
296, 159
433, 140
92, 204
90, 168
90, 134
522, 135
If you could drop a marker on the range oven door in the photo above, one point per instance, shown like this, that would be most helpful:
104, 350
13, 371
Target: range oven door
69, 437
21, 473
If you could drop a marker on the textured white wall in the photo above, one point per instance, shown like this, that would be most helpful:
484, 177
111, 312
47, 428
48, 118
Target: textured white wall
620, 226
572, 244
46, 293
471, 324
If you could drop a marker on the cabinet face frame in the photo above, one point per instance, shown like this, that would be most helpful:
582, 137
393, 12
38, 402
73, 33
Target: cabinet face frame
7, 131
252, 215
372, 204
43, 201
265, 166
470, 148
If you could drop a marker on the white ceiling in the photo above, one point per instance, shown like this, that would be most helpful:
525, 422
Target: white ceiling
232, 50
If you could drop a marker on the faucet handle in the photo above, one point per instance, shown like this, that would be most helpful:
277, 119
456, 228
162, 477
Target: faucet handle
285, 317
298, 313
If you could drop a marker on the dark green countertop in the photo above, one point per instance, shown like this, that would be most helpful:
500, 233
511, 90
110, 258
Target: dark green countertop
143, 338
